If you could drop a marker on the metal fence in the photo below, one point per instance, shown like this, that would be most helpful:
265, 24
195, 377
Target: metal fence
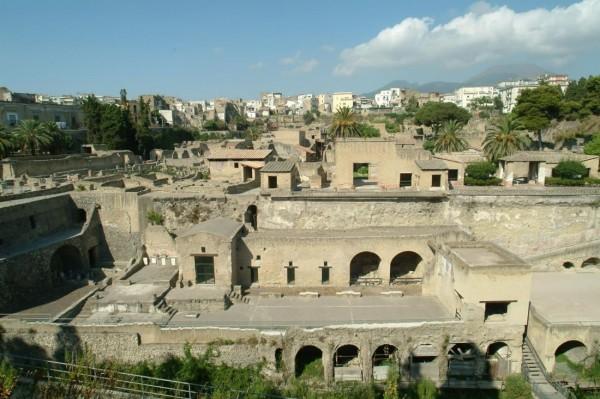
110, 382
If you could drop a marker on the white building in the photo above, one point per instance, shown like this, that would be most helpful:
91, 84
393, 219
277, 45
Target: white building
341, 99
465, 95
271, 100
251, 108
389, 98
324, 102
561, 81
509, 92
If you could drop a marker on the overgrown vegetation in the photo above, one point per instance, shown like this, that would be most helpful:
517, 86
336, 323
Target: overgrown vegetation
8, 379
481, 174
155, 218
515, 387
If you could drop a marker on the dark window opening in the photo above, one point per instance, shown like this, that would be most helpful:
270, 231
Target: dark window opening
257, 257
32, 222
436, 180
92, 256
452, 174
291, 276
278, 359
253, 275
236, 165
203, 249
272, 181
81, 215
496, 310
405, 179
360, 171
325, 275
205, 269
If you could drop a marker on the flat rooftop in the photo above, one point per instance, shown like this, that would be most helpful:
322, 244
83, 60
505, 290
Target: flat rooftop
567, 297
396, 231
285, 312
484, 254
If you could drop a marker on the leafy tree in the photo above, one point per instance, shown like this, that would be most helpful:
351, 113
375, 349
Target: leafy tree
392, 127
241, 123
568, 169
498, 104
253, 133
214, 125
117, 129
536, 108
60, 142
6, 144
31, 136
515, 387
593, 147
344, 123
448, 139
92, 118
308, 118
412, 104
434, 114
366, 130
505, 138
481, 170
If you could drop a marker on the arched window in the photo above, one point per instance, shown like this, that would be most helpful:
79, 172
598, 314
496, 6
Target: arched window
309, 362
403, 266
364, 269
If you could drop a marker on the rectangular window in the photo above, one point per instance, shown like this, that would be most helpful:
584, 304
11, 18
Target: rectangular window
405, 179
236, 165
436, 180
272, 181
253, 275
12, 119
291, 275
324, 275
452, 174
496, 311
205, 269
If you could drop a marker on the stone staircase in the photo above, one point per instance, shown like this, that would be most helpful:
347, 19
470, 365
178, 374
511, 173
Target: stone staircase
236, 297
166, 308
535, 373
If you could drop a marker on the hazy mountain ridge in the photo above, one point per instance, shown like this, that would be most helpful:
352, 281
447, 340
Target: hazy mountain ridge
488, 77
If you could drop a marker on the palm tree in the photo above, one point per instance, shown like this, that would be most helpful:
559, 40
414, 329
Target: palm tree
5, 142
448, 139
505, 137
344, 123
59, 140
31, 136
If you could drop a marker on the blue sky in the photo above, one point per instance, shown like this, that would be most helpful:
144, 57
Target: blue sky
205, 49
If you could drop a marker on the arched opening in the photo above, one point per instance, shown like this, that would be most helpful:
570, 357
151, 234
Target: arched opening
403, 267
278, 359
185, 154
498, 360
364, 269
346, 363
462, 360
568, 265
66, 265
175, 155
384, 357
570, 358
423, 362
591, 262
251, 216
309, 362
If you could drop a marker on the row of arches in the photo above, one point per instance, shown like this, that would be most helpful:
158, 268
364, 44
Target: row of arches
589, 263
463, 360
364, 268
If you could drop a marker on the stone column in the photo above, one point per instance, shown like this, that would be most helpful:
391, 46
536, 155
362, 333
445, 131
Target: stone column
367, 363
328, 366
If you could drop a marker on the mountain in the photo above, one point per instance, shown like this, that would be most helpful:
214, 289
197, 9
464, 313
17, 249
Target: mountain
500, 73
488, 77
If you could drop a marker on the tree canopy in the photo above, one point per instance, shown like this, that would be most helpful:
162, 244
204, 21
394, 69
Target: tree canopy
345, 123
505, 137
434, 114
449, 139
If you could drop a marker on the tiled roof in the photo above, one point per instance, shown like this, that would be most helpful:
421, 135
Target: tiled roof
278, 167
431, 164
238, 154
546, 156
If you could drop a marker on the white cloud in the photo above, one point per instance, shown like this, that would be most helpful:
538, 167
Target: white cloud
291, 60
257, 65
485, 33
307, 66
327, 48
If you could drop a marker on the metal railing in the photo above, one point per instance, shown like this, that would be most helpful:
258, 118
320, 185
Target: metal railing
561, 389
110, 381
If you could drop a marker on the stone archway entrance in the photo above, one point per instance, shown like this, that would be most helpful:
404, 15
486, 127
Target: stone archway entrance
308, 363
403, 267
364, 269
346, 363
66, 265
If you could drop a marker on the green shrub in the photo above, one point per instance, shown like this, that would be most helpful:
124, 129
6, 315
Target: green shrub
313, 370
568, 169
593, 147
492, 181
392, 127
426, 389
515, 387
366, 130
429, 145
558, 181
481, 170
155, 218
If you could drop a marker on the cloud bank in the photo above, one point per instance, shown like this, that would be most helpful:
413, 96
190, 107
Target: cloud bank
483, 34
